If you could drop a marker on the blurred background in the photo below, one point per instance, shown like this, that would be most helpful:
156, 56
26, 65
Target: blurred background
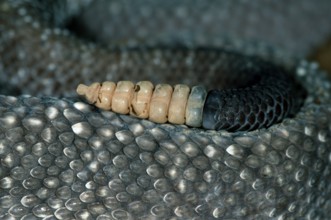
300, 29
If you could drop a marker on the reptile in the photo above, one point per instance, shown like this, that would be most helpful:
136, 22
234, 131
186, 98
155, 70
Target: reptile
62, 158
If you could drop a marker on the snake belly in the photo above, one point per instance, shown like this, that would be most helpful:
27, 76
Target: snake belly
64, 159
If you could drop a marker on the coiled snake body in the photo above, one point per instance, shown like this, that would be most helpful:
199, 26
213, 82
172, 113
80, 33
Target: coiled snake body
63, 159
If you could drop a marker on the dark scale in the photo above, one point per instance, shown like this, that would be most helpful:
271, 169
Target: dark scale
269, 96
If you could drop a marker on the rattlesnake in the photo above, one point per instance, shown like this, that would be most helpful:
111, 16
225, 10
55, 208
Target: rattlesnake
62, 158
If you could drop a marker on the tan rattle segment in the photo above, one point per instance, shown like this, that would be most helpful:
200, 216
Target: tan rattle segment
91, 93
105, 95
122, 97
141, 99
158, 110
177, 108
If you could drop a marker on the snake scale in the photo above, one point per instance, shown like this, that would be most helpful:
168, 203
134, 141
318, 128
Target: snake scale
64, 159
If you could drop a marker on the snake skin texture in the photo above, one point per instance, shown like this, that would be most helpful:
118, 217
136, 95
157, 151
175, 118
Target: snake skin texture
64, 159
269, 96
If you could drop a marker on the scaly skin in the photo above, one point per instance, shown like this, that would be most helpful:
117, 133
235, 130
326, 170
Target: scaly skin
61, 158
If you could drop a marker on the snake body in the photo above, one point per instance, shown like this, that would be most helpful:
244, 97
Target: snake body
64, 159
266, 95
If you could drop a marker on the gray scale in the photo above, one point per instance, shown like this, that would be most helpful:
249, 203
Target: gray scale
90, 169
63, 159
